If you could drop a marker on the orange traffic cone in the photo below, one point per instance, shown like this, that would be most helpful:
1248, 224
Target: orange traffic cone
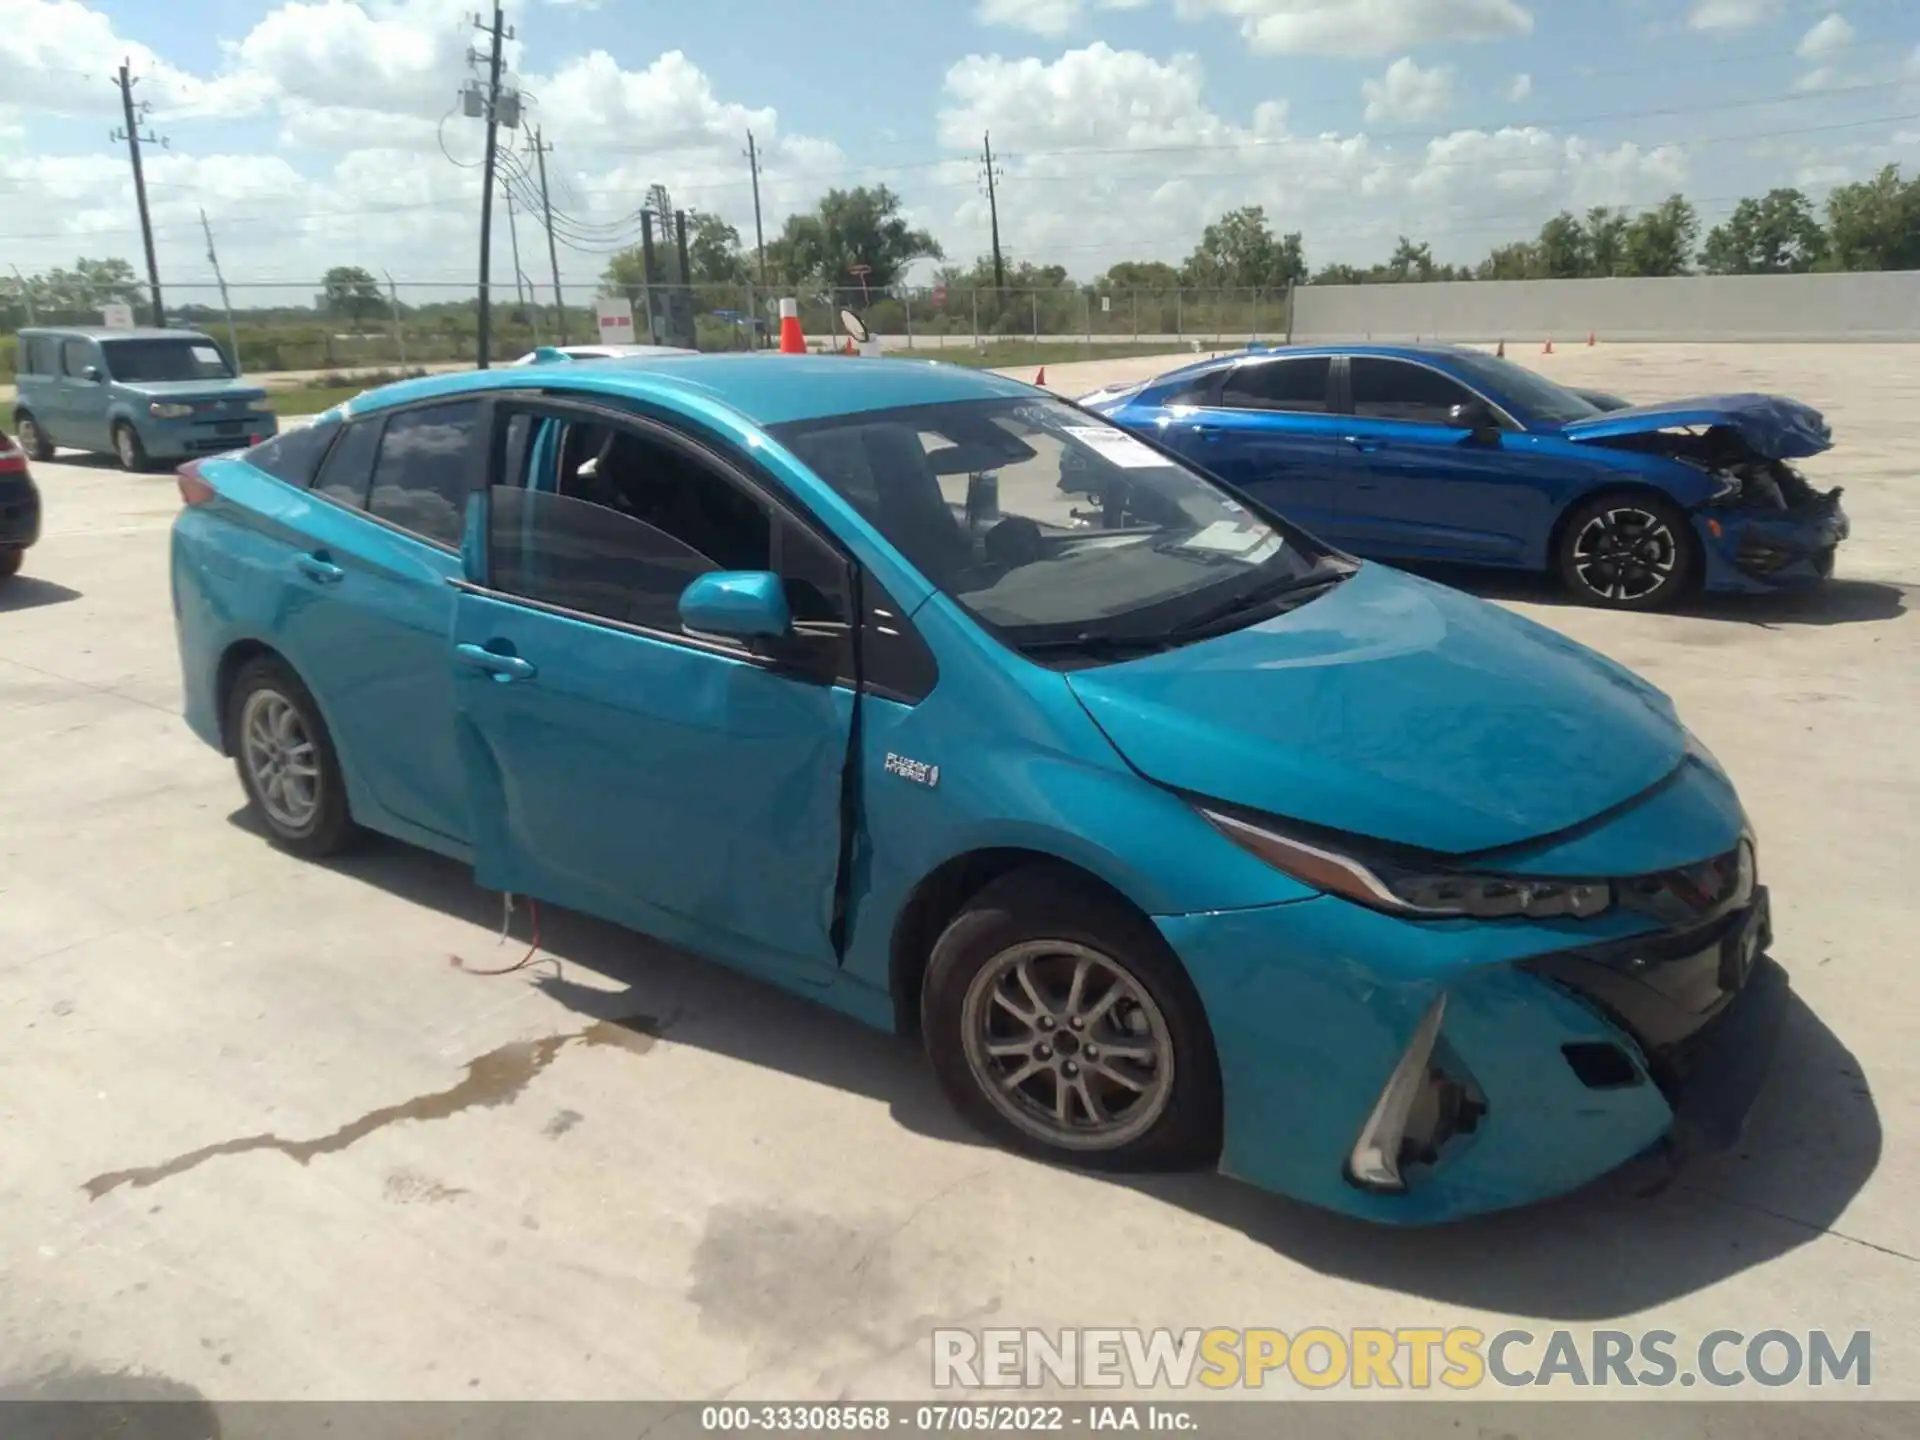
793, 340
1547, 349
848, 349
1589, 339
1041, 378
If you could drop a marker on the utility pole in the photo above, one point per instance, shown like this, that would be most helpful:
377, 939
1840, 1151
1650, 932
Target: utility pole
513, 234
213, 259
993, 212
759, 235
393, 304
493, 111
540, 149
131, 134
26, 294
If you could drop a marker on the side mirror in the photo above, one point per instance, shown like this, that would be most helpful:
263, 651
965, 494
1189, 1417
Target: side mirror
91, 373
737, 604
1474, 416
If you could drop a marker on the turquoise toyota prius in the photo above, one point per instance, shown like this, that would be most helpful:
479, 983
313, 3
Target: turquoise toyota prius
1180, 838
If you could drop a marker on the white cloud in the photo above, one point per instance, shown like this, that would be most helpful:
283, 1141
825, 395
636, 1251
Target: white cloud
1406, 92
1042, 17
1731, 14
1821, 77
1362, 27
1519, 88
1831, 34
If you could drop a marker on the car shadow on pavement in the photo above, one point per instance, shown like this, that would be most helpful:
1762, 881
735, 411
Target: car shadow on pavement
30, 592
1629, 1243
1835, 602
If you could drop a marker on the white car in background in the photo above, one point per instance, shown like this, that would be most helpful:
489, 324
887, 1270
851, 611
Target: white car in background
599, 352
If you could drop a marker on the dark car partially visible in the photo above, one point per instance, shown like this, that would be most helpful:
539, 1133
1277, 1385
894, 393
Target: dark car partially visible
19, 507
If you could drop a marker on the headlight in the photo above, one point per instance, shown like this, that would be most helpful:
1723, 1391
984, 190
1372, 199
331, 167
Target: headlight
1414, 891
262, 406
167, 411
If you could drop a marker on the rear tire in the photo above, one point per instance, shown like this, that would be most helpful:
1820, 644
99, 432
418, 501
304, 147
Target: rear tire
286, 760
1627, 552
128, 449
1112, 1070
32, 438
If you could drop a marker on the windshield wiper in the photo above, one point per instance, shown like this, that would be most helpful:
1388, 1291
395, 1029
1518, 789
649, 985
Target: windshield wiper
1089, 642
1299, 589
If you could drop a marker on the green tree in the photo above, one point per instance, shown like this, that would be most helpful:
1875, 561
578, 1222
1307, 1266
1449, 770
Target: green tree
1772, 235
1875, 224
1606, 240
1519, 260
862, 226
1660, 241
89, 285
1410, 261
1339, 273
713, 254
1139, 275
1240, 251
1562, 248
352, 294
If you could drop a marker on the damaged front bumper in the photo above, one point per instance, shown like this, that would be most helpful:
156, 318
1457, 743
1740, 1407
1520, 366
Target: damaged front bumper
1563, 1050
1750, 550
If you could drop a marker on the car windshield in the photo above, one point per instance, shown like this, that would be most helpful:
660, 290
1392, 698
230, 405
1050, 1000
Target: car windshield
184, 359
1523, 389
1047, 524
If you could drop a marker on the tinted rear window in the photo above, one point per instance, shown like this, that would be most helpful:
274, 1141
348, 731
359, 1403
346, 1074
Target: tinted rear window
293, 455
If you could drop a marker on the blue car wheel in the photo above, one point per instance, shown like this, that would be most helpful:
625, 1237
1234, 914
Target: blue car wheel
1630, 551
286, 760
1061, 1025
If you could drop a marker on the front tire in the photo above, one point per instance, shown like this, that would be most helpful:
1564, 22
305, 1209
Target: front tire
286, 761
32, 439
1061, 1024
10, 563
129, 450
1627, 552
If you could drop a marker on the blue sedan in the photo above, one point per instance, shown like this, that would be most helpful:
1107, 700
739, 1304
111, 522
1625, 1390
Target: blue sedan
1178, 837
1439, 453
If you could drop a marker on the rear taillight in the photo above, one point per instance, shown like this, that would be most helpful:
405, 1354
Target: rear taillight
12, 460
193, 489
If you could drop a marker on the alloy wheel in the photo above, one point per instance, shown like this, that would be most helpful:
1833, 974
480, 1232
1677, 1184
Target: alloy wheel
281, 759
1068, 1045
1625, 553
123, 444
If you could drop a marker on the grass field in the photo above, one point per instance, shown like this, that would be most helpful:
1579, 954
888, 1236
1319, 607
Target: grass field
311, 399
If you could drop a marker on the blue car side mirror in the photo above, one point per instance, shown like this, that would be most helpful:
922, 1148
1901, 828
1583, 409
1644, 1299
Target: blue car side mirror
738, 604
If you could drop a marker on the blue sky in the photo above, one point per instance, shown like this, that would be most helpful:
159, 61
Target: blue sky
314, 134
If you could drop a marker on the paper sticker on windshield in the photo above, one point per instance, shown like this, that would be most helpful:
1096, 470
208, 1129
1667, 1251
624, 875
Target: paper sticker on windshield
1227, 538
1116, 446
206, 354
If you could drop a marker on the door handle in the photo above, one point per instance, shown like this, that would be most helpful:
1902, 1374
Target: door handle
502, 667
1206, 432
318, 567
1365, 445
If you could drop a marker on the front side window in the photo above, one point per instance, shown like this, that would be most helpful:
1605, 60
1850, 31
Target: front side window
142, 361
76, 356
1396, 390
1539, 398
1048, 525
420, 479
616, 522
1299, 386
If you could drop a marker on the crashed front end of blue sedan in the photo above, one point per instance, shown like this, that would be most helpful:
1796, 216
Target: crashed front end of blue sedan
1415, 1071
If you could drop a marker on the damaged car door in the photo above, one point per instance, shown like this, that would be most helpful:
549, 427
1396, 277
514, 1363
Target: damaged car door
685, 785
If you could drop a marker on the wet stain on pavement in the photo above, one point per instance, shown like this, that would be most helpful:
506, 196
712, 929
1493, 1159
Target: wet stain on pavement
494, 1079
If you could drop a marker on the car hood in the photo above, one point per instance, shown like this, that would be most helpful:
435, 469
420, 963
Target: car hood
1773, 426
182, 390
1395, 709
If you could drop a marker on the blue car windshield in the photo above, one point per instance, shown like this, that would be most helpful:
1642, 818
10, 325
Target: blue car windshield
1520, 389
1046, 523
142, 361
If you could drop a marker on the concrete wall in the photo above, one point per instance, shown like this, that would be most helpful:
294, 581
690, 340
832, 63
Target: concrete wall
1879, 305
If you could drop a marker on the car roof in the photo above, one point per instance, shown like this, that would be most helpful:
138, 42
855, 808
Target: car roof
765, 389
1422, 350
103, 332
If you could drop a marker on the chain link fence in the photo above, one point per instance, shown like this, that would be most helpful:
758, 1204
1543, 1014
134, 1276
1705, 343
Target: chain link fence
294, 327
